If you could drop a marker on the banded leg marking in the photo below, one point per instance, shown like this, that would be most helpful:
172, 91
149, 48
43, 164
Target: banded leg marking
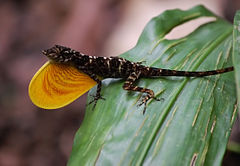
99, 87
128, 85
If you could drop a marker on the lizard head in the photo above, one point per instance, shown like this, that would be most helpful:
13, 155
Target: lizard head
59, 54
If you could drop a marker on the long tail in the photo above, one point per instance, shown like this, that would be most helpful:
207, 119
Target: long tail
166, 72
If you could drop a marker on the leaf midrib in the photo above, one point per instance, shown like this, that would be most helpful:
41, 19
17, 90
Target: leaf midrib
165, 111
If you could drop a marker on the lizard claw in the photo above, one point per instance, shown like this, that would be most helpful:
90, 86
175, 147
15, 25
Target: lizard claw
144, 101
95, 99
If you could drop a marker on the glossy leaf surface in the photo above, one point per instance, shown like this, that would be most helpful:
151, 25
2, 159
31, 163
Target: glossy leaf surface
236, 51
191, 125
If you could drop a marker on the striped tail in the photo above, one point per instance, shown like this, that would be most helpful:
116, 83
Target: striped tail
165, 72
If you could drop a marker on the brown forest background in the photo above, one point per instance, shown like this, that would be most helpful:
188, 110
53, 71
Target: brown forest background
30, 136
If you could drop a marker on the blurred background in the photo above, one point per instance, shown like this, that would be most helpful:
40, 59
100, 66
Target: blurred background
30, 136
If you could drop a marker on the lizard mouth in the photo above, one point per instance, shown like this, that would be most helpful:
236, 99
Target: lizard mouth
44, 52
52, 53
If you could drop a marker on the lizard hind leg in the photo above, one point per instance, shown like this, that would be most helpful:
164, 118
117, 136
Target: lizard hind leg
149, 95
128, 85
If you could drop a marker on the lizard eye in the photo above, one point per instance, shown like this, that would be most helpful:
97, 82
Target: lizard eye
58, 54
52, 53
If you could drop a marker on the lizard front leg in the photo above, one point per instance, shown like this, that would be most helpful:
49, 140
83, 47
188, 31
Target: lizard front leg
99, 87
98, 93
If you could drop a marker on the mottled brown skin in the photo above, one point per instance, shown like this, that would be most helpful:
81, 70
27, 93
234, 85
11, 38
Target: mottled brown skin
116, 67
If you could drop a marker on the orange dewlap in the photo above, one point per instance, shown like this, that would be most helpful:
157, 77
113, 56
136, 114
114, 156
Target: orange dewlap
57, 85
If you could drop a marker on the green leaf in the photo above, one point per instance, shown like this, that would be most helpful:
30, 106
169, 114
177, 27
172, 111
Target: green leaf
191, 125
236, 51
